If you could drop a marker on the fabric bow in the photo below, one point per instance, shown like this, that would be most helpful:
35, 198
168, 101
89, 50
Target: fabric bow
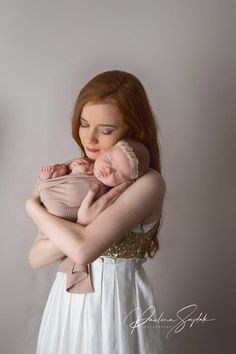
78, 276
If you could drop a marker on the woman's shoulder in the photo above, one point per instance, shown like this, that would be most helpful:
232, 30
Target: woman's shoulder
145, 196
156, 191
154, 180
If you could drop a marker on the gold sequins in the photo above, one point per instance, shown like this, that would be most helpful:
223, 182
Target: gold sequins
132, 244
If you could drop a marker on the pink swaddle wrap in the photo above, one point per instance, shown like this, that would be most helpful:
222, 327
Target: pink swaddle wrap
62, 196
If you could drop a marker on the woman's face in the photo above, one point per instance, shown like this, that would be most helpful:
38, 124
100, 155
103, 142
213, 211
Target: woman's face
101, 126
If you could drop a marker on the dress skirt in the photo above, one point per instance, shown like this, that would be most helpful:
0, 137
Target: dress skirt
119, 317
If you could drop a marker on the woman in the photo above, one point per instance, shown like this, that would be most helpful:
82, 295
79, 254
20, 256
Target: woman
113, 234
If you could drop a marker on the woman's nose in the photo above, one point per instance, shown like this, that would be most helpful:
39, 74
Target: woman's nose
92, 137
107, 170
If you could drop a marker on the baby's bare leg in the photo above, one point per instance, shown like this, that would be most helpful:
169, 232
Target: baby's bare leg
52, 171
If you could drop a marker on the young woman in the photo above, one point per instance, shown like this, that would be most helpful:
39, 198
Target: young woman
114, 234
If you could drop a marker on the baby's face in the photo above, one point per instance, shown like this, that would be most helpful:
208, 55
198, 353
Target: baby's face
112, 167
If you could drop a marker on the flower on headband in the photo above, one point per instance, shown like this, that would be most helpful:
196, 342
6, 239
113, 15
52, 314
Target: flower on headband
129, 151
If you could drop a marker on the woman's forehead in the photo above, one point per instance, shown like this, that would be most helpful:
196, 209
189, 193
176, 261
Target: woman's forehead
101, 114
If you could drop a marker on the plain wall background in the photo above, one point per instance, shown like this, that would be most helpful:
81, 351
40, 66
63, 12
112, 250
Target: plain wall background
184, 54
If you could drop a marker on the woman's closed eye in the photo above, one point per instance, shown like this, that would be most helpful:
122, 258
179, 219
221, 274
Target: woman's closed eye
83, 125
106, 131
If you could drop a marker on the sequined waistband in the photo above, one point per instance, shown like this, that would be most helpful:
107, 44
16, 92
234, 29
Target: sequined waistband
115, 260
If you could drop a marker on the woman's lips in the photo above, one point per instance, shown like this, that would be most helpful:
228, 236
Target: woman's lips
92, 150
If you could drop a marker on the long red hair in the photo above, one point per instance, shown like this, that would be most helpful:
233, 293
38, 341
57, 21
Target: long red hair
126, 92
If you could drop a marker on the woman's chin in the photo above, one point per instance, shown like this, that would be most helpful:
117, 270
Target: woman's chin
92, 155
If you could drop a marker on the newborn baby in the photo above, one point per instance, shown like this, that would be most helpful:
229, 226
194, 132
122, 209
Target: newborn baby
62, 187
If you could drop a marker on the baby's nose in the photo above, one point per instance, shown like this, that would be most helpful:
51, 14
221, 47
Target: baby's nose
107, 170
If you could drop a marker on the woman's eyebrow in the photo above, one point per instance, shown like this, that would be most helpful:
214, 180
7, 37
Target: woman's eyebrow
102, 125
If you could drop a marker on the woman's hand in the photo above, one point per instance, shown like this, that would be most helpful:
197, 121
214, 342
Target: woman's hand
90, 209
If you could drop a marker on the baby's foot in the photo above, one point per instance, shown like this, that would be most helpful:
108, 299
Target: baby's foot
52, 171
80, 165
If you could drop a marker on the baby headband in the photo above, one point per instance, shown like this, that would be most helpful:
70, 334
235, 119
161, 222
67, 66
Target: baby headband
129, 151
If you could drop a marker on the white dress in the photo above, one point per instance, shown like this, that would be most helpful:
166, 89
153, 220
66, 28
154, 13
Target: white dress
111, 320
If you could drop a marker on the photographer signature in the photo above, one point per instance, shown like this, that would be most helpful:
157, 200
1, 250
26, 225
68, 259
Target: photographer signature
183, 317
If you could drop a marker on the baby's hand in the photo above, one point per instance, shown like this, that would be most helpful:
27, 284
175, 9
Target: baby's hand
52, 171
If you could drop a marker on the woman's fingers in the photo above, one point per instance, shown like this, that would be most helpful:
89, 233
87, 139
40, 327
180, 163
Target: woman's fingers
109, 197
89, 198
117, 190
106, 198
110, 201
89, 209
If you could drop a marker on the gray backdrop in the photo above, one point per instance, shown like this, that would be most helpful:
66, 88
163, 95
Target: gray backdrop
184, 54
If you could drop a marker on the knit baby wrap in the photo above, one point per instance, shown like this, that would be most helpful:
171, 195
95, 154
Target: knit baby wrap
62, 196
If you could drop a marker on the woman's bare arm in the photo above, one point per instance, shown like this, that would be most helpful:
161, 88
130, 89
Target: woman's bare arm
84, 244
44, 252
